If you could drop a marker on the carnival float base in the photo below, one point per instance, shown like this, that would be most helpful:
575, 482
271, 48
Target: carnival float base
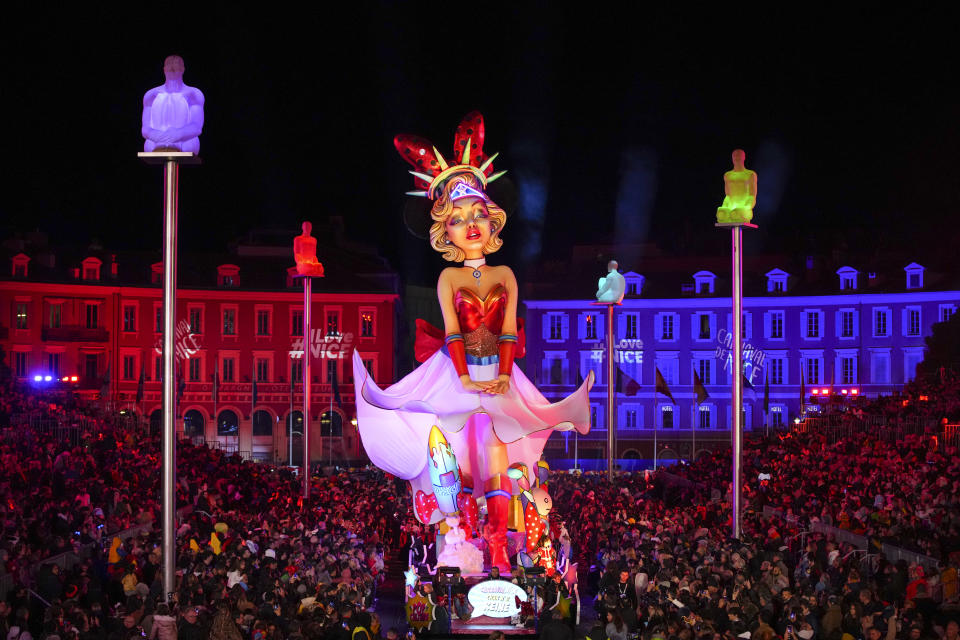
482, 625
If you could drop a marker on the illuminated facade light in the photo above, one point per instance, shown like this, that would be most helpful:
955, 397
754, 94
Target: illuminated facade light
74, 378
47, 378
825, 392
37, 378
843, 391
853, 392
816, 392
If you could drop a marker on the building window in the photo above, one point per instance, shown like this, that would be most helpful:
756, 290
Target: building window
229, 369
813, 324
812, 370
911, 358
91, 269
704, 325
296, 323
594, 416
703, 420
56, 315
296, 370
93, 316
129, 367
775, 370
157, 368
913, 321
555, 368
196, 320
777, 281
669, 366
367, 323
20, 363
666, 417
666, 327
21, 316
880, 323
158, 319
776, 325
704, 367
263, 322
848, 278
590, 327
332, 371
228, 275
630, 419
53, 363
704, 281
630, 326
846, 324
914, 275
263, 370
229, 322
333, 323
631, 288
129, 319
880, 367
193, 370
848, 370
370, 365
947, 311
776, 415
556, 326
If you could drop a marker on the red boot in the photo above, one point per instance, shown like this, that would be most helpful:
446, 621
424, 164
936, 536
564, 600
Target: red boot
495, 531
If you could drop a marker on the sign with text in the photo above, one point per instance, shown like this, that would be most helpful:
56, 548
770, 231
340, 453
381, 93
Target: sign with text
630, 351
496, 598
185, 343
334, 347
753, 357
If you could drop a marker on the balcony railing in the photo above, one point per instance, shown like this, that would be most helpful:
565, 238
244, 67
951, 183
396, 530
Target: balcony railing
75, 334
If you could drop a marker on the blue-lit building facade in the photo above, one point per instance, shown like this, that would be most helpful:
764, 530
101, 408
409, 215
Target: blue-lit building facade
863, 338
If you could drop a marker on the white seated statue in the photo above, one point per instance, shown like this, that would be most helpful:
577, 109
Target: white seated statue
612, 286
172, 113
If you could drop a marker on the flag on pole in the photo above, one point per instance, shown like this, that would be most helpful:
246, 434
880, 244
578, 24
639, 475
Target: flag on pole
626, 384
140, 383
766, 392
253, 395
181, 384
661, 386
336, 388
746, 383
105, 384
803, 390
216, 386
699, 391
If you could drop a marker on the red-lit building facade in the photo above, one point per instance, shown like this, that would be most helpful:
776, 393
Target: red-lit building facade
237, 333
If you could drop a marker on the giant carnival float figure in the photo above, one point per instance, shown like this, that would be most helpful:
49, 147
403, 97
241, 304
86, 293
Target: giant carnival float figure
453, 426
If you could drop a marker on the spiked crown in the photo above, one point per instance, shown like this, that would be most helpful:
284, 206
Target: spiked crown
431, 169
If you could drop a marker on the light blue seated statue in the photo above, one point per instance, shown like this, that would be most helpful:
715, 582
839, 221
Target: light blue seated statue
612, 286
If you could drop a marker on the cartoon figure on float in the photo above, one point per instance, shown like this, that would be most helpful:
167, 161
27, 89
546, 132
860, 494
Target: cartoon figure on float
489, 413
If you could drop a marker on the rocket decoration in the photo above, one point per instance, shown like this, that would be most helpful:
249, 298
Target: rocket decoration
448, 495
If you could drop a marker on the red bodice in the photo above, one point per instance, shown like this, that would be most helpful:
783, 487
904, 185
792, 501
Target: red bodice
473, 311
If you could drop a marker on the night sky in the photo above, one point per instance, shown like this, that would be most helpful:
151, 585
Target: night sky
606, 118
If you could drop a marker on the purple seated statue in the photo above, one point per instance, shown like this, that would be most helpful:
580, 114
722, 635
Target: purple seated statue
172, 113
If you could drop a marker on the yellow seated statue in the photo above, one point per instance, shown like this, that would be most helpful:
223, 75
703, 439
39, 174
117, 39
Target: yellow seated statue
740, 185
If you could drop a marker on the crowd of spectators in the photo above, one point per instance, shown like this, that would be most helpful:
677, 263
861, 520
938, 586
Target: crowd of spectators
663, 563
251, 562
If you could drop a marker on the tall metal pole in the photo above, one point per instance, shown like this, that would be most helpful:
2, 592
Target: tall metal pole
307, 343
611, 428
736, 396
290, 420
168, 440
